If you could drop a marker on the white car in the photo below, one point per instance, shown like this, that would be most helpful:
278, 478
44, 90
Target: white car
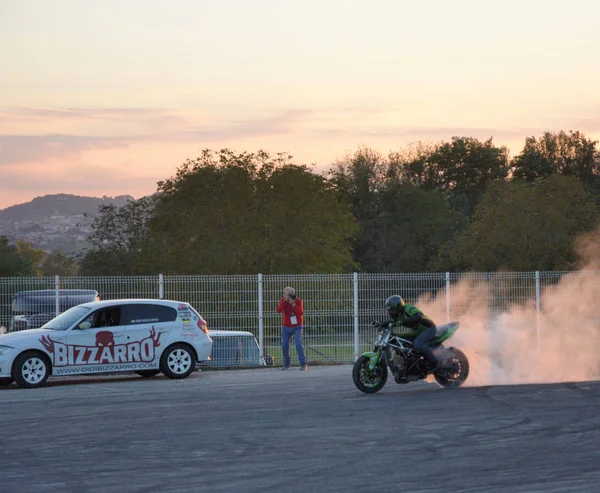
141, 335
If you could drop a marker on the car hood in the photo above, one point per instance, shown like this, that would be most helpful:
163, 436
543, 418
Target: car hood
14, 338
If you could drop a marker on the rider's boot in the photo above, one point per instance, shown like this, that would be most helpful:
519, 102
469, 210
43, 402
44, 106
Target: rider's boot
432, 366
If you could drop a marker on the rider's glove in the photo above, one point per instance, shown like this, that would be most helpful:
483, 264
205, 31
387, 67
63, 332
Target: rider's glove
381, 325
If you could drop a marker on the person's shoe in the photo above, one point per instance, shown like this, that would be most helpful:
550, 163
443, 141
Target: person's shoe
303, 367
285, 368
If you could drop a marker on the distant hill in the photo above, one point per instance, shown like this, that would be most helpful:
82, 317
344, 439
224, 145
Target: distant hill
59, 205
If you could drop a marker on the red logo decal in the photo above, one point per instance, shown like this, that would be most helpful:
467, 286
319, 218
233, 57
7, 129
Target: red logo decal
105, 350
105, 338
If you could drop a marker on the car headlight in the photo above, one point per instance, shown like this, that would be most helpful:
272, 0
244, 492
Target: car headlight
4, 350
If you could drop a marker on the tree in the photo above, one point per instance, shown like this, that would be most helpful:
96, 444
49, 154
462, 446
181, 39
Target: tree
359, 180
118, 239
411, 166
58, 263
228, 213
291, 195
414, 222
560, 153
11, 262
462, 169
402, 222
33, 256
523, 227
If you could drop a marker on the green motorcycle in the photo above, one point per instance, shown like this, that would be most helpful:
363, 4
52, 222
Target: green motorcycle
370, 372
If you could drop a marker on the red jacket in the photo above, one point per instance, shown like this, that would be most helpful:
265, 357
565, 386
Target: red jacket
288, 310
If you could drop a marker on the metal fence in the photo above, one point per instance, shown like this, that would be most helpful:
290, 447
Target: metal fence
339, 308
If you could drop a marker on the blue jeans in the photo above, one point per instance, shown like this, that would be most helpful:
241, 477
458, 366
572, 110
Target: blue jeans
421, 343
286, 335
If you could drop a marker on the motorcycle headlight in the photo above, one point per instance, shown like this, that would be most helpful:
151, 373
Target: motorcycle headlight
4, 350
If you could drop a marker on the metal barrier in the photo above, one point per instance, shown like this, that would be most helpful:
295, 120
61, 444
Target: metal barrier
339, 308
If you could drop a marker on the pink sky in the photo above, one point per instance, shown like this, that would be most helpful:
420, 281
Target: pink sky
107, 98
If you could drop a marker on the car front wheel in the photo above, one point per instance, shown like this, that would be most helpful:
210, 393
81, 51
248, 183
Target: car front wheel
31, 370
177, 361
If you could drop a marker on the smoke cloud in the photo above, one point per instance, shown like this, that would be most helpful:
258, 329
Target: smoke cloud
509, 341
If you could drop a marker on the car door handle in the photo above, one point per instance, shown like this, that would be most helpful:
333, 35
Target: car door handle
117, 335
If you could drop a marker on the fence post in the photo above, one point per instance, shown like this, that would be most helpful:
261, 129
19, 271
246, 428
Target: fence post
57, 293
447, 297
356, 337
161, 287
261, 335
537, 307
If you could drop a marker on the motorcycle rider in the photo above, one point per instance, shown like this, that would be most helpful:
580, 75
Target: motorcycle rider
420, 326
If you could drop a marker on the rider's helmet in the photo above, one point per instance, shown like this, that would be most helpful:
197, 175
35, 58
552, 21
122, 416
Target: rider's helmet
395, 306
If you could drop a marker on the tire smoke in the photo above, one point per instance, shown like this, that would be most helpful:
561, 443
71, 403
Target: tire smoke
509, 341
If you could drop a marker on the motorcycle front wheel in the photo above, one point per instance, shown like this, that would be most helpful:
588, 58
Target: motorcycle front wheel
369, 381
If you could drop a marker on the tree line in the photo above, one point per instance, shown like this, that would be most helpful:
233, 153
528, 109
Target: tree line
458, 205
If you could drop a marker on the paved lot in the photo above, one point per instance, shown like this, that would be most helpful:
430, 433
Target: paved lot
269, 431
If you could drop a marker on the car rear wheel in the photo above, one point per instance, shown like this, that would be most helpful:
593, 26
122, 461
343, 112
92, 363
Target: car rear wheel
177, 361
31, 370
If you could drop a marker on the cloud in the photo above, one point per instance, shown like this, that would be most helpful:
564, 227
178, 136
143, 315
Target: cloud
74, 131
399, 136
36, 114
432, 132
282, 123
125, 127
585, 125
16, 149
110, 179
77, 130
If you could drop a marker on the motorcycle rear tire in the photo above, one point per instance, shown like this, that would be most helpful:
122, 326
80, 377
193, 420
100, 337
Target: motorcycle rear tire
361, 367
443, 379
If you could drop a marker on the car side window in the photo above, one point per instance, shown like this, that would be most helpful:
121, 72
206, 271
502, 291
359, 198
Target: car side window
106, 317
148, 313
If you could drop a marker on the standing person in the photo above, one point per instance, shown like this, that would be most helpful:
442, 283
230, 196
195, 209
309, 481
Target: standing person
292, 310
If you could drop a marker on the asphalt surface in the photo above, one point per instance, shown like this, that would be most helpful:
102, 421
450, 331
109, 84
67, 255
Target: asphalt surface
271, 431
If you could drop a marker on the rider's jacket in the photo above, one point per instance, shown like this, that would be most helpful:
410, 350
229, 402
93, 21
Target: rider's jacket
411, 323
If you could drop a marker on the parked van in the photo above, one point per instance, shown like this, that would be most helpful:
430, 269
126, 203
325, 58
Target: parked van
32, 309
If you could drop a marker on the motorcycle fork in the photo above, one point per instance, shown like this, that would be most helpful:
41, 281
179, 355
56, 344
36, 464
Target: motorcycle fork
375, 358
393, 358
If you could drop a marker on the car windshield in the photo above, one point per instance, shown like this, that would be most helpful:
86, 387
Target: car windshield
67, 319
